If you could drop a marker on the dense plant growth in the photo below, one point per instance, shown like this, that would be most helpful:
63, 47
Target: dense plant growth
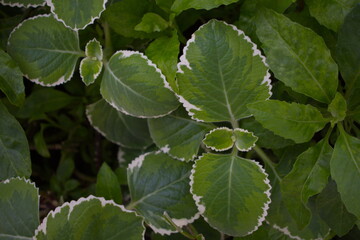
206, 119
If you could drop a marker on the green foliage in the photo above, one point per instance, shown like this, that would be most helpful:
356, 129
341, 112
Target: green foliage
150, 89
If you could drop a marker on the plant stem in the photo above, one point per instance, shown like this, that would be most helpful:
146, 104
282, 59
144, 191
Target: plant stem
108, 50
180, 230
267, 161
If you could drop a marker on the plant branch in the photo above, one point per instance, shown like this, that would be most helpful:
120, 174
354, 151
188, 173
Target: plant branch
180, 230
267, 161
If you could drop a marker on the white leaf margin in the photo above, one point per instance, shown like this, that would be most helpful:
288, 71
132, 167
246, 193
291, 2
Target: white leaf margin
126, 54
201, 207
53, 11
43, 226
216, 130
184, 62
62, 79
137, 163
18, 4
246, 131
95, 75
94, 40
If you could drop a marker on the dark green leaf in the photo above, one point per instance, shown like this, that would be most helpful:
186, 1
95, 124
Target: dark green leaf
107, 184
181, 5
152, 22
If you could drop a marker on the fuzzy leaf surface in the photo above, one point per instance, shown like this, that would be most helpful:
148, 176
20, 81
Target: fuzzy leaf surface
219, 139
244, 140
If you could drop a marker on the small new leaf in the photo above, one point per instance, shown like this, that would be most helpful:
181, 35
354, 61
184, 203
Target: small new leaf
152, 22
244, 140
107, 184
219, 139
338, 108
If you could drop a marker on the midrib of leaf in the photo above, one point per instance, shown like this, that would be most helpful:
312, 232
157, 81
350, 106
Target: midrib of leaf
133, 204
229, 188
77, 53
6, 236
301, 62
349, 150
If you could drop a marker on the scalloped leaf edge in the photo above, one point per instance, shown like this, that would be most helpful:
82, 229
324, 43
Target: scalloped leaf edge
215, 130
22, 5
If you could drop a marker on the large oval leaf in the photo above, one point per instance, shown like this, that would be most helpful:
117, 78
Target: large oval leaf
135, 86
23, 3
303, 63
158, 184
181, 5
232, 193
117, 127
45, 50
220, 72
14, 148
91, 218
77, 14
19, 207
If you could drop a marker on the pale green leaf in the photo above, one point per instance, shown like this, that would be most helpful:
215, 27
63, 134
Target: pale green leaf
164, 52
294, 121
181, 5
90, 70
331, 13
345, 170
19, 208
93, 50
244, 140
77, 14
220, 72
333, 212
158, 184
219, 139
308, 177
135, 86
45, 50
177, 135
348, 57
232, 193
107, 184
11, 80
23, 3
338, 108
152, 22
117, 127
303, 63
14, 148
91, 218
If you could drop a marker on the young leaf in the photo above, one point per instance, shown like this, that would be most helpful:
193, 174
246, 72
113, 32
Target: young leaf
77, 14
45, 50
348, 57
117, 127
181, 5
345, 170
303, 63
232, 193
91, 218
330, 13
135, 86
308, 177
152, 22
332, 210
158, 184
294, 121
40, 143
244, 140
219, 139
14, 148
164, 52
19, 207
11, 80
91, 66
107, 185
23, 3
220, 72
338, 108
177, 135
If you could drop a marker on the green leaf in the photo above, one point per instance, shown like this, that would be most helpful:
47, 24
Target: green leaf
14, 148
294, 121
244, 140
152, 22
91, 218
23, 3
164, 53
107, 184
19, 207
220, 72
153, 193
345, 170
333, 212
308, 177
77, 14
40, 143
91, 66
348, 57
279, 5
177, 135
219, 139
42, 40
135, 86
117, 127
330, 13
93, 49
232, 193
338, 108
303, 63
11, 80
181, 5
